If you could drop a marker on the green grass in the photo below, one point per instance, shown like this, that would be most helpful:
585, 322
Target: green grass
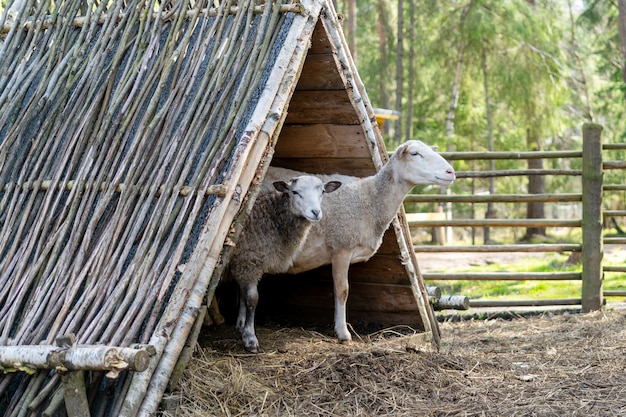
532, 290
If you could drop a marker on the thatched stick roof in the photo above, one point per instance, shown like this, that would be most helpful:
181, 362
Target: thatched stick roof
122, 145
130, 136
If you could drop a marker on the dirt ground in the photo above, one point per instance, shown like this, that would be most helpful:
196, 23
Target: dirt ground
555, 363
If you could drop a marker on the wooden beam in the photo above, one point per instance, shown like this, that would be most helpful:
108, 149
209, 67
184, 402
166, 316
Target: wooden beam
322, 141
320, 73
358, 167
314, 107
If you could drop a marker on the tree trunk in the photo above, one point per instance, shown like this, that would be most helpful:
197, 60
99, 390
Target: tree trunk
535, 186
585, 95
456, 86
621, 5
412, 75
352, 28
383, 53
490, 214
397, 134
454, 98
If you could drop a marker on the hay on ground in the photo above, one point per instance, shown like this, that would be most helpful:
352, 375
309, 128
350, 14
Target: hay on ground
547, 365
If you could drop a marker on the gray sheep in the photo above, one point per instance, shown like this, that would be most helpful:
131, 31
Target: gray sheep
271, 238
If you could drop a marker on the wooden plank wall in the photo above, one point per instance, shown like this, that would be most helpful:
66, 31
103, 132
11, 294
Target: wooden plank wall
322, 132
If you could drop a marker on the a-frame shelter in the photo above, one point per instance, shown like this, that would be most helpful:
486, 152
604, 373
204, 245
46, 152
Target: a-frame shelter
132, 139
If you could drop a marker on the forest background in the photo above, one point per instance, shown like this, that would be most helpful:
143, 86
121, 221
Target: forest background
500, 75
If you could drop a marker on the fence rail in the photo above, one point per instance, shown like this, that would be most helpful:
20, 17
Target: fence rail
541, 247
591, 248
504, 276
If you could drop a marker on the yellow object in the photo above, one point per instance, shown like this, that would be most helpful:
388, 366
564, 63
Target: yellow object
385, 114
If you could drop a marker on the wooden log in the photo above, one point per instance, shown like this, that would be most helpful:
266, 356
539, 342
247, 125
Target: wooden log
88, 358
452, 302
503, 276
592, 218
434, 292
614, 293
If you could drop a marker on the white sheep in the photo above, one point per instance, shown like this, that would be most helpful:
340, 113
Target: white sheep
356, 216
271, 237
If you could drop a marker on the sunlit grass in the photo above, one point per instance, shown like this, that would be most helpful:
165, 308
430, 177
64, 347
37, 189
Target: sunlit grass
530, 289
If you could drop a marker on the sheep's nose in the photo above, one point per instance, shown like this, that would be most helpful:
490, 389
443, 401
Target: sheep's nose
316, 213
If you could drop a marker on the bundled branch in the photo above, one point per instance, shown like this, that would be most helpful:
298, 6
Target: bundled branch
130, 94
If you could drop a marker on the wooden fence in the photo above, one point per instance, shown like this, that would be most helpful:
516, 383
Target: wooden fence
592, 246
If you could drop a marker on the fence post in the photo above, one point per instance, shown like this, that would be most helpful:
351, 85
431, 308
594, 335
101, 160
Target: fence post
592, 251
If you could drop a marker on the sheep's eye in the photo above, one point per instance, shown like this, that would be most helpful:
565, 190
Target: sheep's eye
417, 154
295, 193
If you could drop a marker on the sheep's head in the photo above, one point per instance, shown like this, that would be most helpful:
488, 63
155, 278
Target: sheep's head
420, 164
305, 193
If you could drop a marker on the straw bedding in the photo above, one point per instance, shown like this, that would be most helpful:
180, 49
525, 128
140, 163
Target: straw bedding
544, 365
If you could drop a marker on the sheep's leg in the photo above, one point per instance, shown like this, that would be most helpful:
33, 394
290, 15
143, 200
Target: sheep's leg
248, 302
241, 316
341, 263
214, 312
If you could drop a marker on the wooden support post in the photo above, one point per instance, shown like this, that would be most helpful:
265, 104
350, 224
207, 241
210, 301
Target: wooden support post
74, 390
592, 250
75, 394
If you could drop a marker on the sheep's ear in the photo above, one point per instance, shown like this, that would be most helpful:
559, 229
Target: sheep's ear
331, 186
434, 148
402, 150
281, 186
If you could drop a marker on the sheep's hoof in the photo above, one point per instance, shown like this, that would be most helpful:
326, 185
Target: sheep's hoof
344, 336
254, 349
252, 345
